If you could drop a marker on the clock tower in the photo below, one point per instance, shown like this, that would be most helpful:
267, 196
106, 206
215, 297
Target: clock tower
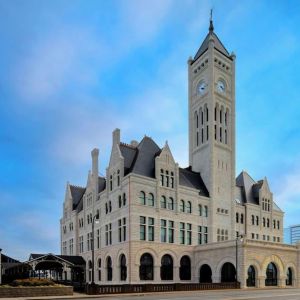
211, 93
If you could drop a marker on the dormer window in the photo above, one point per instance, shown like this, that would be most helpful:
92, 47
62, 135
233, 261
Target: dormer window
118, 177
162, 177
110, 182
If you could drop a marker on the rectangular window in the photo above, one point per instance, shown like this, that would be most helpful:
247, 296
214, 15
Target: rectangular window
120, 230
171, 231
182, 233
205, 234
98, 238
124, 229
163, 231
142, 228
189, 234
110, 234
199, 235
150, 229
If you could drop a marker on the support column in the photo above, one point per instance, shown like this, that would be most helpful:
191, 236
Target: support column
157, 274
261, 281
282, 282
216, 278
176, 274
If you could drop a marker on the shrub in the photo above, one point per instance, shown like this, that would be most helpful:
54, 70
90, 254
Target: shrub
32, 282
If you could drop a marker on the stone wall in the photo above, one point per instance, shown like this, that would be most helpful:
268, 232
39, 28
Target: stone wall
12, 292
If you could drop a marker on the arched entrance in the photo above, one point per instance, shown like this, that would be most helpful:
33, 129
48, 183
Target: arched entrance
123, 268
146, 267
228, 273
166, 269
251, 277
289, 276
109, 269
205, 274
271, 275
185, 268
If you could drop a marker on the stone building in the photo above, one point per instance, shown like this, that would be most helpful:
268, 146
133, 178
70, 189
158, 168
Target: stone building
160, 223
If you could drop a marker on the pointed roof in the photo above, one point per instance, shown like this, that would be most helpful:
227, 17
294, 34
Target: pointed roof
218, 44
76, 192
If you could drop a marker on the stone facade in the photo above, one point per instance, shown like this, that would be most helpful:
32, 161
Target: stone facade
161, 223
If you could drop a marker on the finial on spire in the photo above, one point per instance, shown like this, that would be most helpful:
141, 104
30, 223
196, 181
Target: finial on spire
211, 25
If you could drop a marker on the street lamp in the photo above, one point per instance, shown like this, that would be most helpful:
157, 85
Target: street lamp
95, 220
0, 266
238, 238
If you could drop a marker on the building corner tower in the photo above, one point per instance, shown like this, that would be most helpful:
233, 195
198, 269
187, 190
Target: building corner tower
211, 93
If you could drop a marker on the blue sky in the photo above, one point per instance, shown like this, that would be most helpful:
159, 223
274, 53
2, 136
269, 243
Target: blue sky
72, 71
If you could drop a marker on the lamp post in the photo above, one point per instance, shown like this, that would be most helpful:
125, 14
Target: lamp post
0, 266
95, 220
238, 238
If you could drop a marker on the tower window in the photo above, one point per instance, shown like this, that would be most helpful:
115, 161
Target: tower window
207, 134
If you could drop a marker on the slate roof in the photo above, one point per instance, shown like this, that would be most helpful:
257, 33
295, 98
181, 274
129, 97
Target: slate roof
247, 190
141, 160
218, 45
193, 180
76, 260
77, 192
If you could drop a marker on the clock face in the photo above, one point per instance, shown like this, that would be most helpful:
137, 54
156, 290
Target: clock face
221, 86
202, 87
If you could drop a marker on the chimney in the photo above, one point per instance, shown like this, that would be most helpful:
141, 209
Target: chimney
116, 136
95, 167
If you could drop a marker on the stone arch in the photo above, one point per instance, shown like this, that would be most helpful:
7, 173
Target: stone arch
218, 268
150, 251
172, 254
278, 263
204, 262
118, 255
294, 272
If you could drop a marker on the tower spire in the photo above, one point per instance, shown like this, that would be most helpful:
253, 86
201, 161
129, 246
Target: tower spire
211, 25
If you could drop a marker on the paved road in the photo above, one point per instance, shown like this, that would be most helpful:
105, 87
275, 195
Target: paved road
274, 294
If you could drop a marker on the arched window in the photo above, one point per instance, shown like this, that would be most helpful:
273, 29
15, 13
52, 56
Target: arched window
172, 180
111, 182
109, 268
142, 198
124, 199
162, 176
90, 270
146, 267
205, 274
170, 203
166, 269
237, 217
251, 276
253, 219
99, 269
200, 209
226, 141
163, 202
120, 201
264, 222
242, 218
151, 200
118, 177
289, 277
182, 206
257, 220
185, 268
228, 273
271, 275
205, 211
189, 207
268, 222
123, 268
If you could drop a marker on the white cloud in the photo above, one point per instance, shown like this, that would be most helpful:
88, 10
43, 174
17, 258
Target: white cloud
58, 61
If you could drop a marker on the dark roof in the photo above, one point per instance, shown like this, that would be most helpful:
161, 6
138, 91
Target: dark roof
7, 259
73, 259
245, 182
77, 192
141, 159
247, 190
218, 45
192, 179
101, 184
